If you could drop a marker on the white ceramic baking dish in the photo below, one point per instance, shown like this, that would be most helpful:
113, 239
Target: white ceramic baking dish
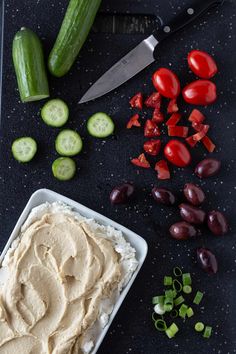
140, 245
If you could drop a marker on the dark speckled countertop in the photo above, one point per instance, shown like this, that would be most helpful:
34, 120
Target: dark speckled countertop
104, 164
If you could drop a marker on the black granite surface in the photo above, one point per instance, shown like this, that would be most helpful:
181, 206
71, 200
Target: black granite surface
103, 164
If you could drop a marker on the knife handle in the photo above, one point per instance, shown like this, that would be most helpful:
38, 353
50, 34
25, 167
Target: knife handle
189, 14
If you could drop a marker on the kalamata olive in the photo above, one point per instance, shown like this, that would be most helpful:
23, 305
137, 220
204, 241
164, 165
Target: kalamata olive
192, 214
183, 230
122, 193
194, 194
207, 168
163, 196
217, 223
207, 260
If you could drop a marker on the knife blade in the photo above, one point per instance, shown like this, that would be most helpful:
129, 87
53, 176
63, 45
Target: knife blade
143, 54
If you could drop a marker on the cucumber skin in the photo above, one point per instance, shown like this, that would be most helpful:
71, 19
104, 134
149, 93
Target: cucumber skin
29, 65
74, 30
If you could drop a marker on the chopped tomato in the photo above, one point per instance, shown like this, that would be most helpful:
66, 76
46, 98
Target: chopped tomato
196, 116
208, 143
175, 130
174, 119
191, 141
198, 126
154, 101
134, 121
151, 129
172, 106
162, 169
141, 161
152, 147
137, 101
198, 136
157, 116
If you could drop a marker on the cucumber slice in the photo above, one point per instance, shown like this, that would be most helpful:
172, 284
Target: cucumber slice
68, 143
23, 149
55, 113
100, 125
64, 168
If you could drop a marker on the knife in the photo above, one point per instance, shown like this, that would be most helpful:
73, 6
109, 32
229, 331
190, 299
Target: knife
143, 54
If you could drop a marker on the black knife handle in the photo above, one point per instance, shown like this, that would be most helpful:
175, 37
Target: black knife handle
186, 16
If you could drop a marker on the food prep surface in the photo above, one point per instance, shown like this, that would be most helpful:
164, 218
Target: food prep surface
104, 164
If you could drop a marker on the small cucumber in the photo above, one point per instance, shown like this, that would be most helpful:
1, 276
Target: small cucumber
68, 143
55, 113
24, 149
100, 125
64, 168
29, 66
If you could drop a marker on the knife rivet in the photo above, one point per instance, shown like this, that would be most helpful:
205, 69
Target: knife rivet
166, 29
190, 11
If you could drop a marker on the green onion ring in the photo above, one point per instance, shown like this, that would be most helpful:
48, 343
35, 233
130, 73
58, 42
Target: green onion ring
177, 272
174, 313
161, 325
179, 288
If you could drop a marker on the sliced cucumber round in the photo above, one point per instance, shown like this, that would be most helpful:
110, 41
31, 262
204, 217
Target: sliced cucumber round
24, 148
68, 143
64, 168
55, 113
100, 125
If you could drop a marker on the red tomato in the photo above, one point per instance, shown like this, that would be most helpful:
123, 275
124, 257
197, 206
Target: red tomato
137, 101
151, 129
154, 101
200, 92
177, 153
134, 121
208, 143
166, 82
162, 169
202, 64
172, 106
174, 119
177, 130
141, 161
152, 147
157, 116
196, 116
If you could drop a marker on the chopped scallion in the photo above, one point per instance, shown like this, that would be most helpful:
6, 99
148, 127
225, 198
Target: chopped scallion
177, 272
160, 325
179, 300
207, 332
183, 310
190, 312
177, 286
168, 280
158, 300
198, 298
174, 313
199, 327
187, 289
172, 330
169, 294
159, 309
187, 280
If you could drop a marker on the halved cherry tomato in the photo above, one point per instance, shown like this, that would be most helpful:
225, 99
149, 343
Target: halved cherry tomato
172, 106
154, 100
151, 129
162, 169
157, 116
166, 82
177, 130
208, 143
137, 101
177, 153
141, 161
202, 64
196, 116
174, 119
134, 121
152, 147
200, 92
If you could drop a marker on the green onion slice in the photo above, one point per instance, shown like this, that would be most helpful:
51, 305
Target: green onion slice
177, 286
179, 300
207, 332
190, 312
160, 325
177, 272
187, 280
187, 289
168, 280
174, 313
168, 307
199, 327
172, 330
198, 298
183, 310
158, 300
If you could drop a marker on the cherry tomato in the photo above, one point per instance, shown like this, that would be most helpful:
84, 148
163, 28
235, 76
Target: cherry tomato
200, 92
152, 147
177, 153
202, 64
166, 82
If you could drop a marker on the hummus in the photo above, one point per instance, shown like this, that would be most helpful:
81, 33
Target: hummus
62, 270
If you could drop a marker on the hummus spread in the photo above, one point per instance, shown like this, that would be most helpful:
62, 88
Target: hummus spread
60, 273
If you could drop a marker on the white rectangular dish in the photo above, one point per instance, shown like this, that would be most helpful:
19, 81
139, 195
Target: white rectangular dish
138, 243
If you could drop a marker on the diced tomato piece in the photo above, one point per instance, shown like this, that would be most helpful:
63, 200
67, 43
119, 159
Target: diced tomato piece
208, 143
198, 126
191, 141
172, 106
196, 116
151, 129
152, 147
141, 161
154, 101
157, 116
134, 121
162, 169
174, 119
177, 130
198, 136
137, 101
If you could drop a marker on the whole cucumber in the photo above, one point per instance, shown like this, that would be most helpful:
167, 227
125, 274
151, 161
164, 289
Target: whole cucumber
74, 30
29, 66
